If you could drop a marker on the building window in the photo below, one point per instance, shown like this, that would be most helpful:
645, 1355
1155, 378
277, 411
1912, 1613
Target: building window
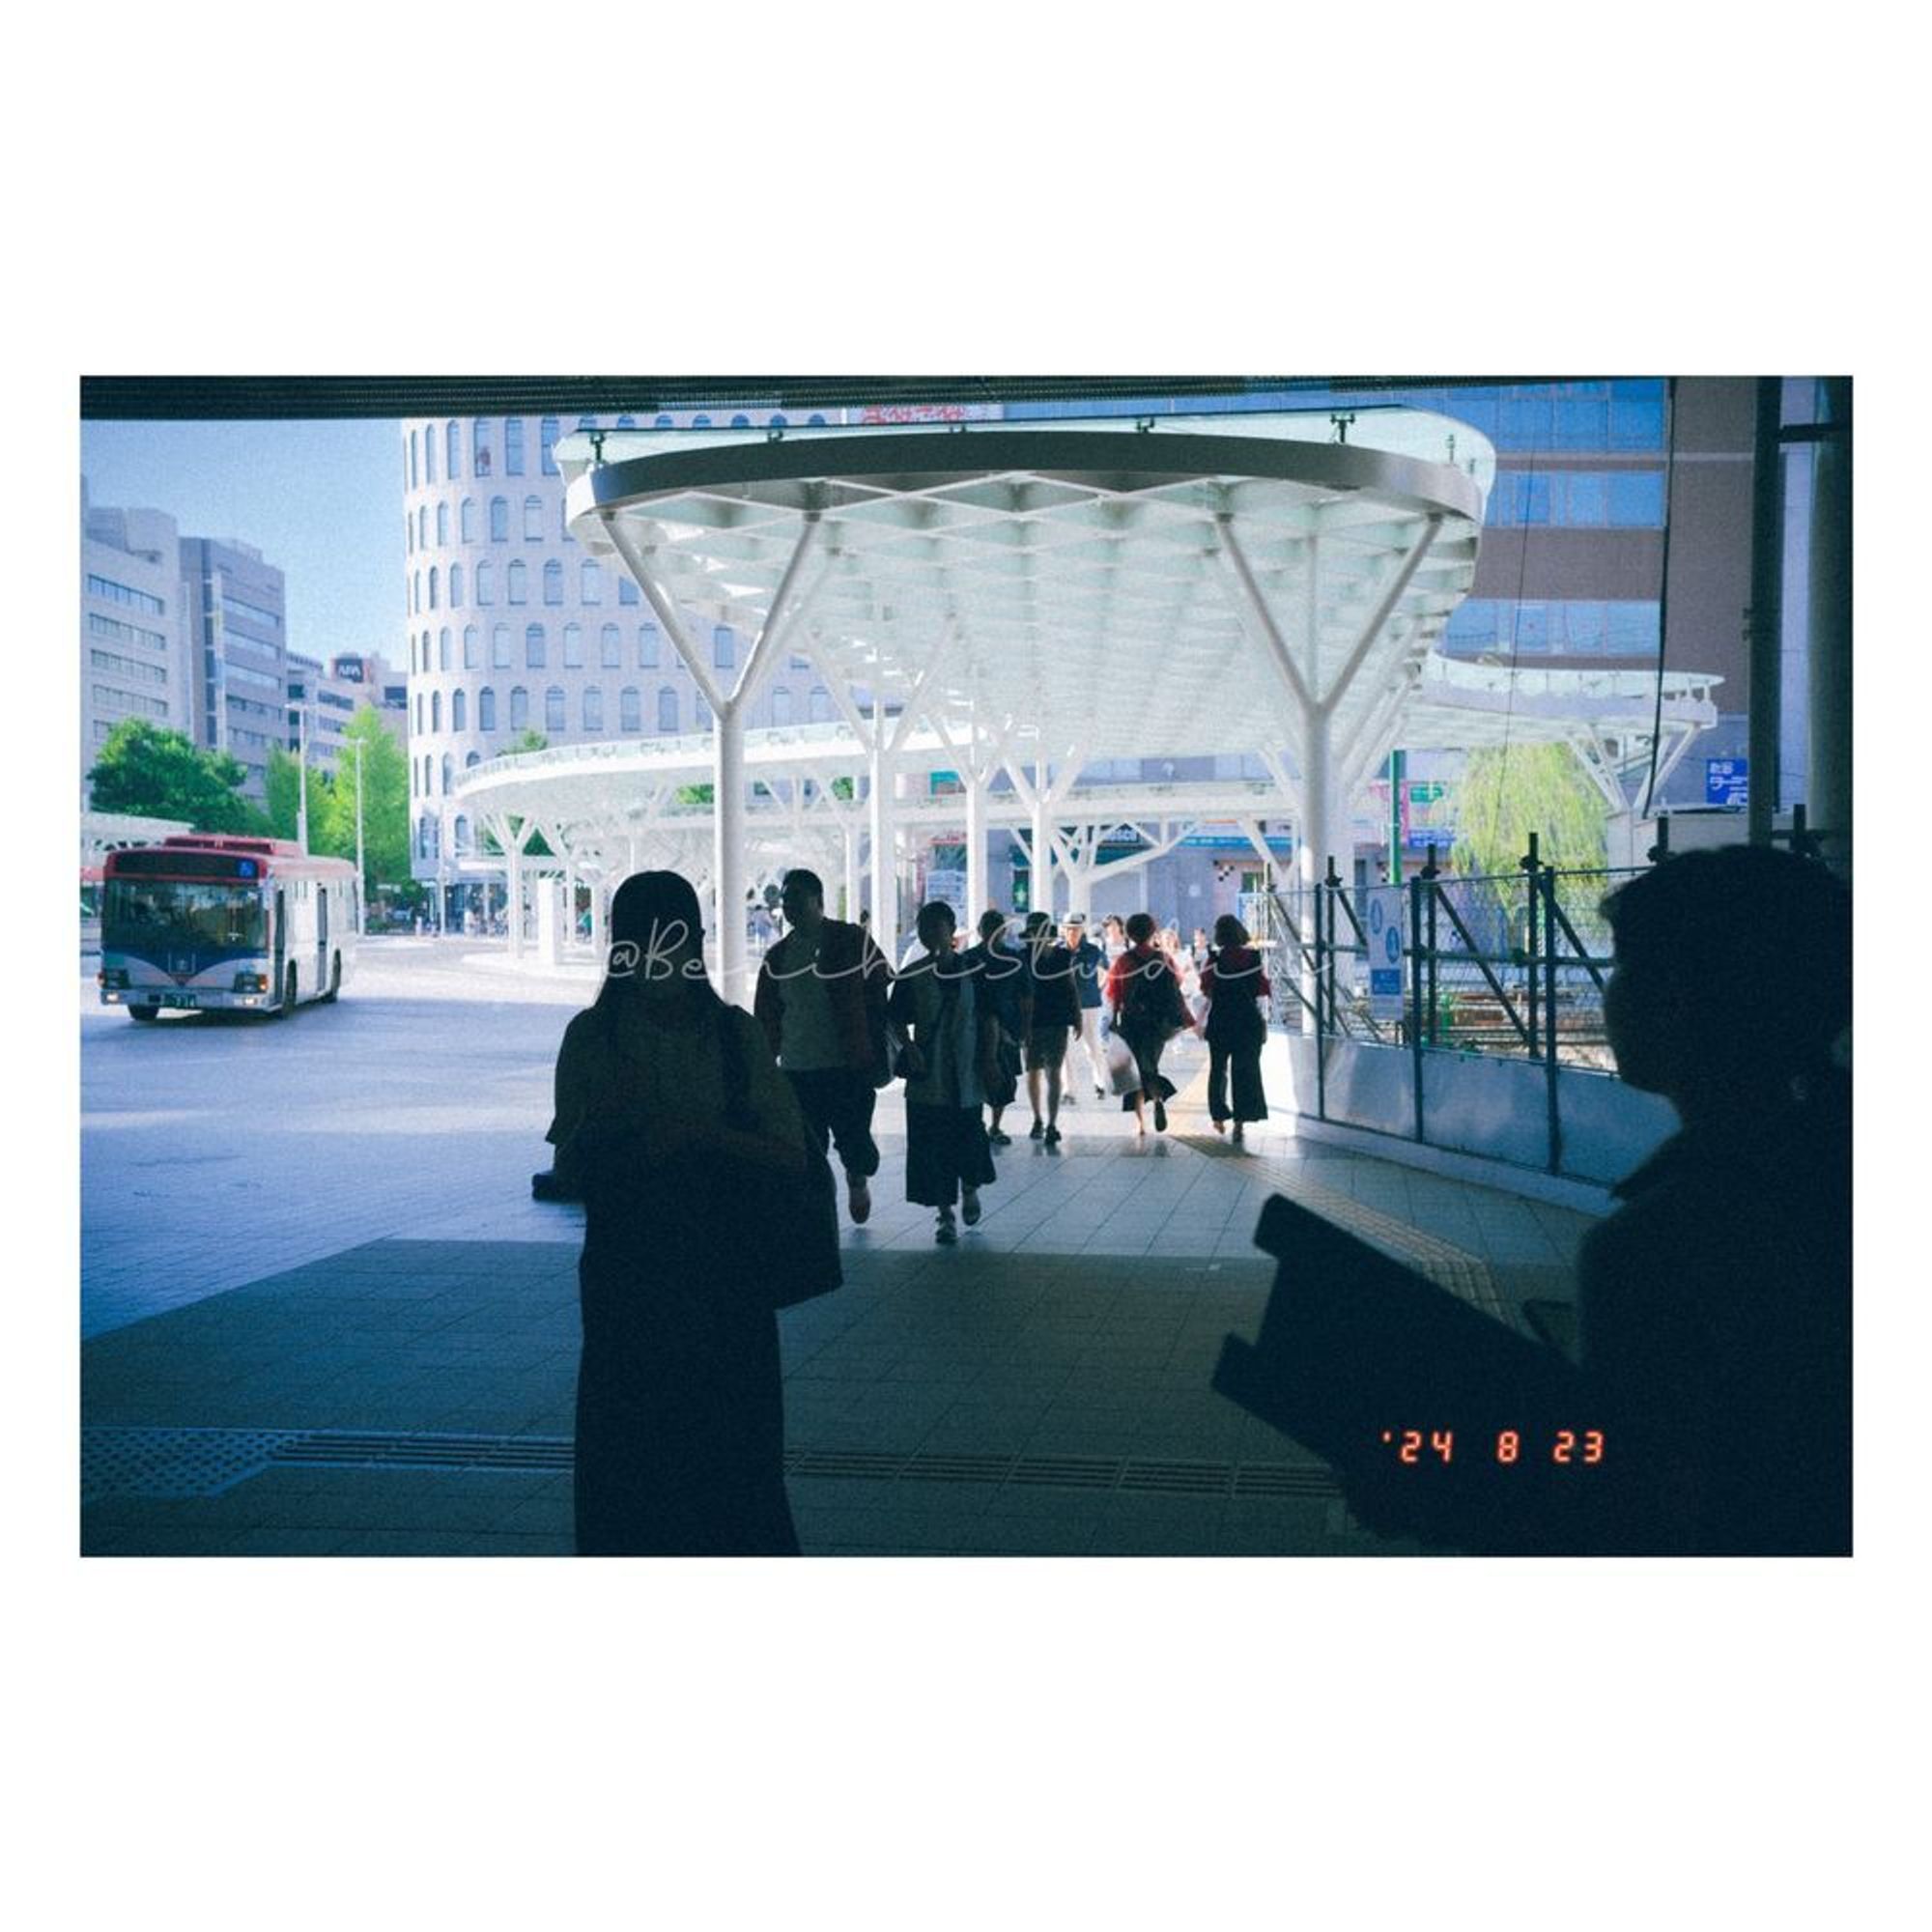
533, 520
627, 590
720, 647
593, 708
513, 445
479, 445
818, 705
456, 586
547, 437
552, 582
630, 709
448, 772
486, 708
420, 713
781, 705
499, 519
475, 759
466, 520
435, 711
591, 582
486, 583
700, 422
564, 523
459, 710
453, 444
433, 576
429, 454
520, 708
647, 646
701, 711
443, 648
473, 648
422, 525
516, 582
412, 459
611, 647
534, 647
741, 423
417, 591
554, 708
442, 522
408, 532
668, 710
462, 827
500, 647
573, 647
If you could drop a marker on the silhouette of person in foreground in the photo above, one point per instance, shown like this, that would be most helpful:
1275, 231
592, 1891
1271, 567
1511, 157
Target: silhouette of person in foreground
667, 1096
1715, 1306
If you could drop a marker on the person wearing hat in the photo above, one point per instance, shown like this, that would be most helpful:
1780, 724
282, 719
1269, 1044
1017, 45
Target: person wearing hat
660, 1087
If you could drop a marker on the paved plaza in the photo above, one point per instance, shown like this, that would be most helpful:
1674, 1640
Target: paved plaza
321, 1314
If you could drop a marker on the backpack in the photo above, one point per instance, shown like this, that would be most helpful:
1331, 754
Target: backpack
1153, 1003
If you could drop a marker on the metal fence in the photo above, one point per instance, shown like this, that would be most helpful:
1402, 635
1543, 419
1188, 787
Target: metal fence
1512, 964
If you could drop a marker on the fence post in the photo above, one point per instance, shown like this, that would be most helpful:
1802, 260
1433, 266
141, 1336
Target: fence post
1325, 982
1429, 869
1416, 888
1549, 883
1532, 867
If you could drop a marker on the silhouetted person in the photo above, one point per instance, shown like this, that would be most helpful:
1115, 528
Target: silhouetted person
934, 1000
1715, 1307
1005, 1000
1053, 1019
1143, 996
1232, 983
680, 1421
821, 999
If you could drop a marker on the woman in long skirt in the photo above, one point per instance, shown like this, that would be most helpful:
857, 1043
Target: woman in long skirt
680, 1413
934, 999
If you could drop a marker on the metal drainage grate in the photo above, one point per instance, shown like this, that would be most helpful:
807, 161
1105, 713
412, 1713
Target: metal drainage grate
164, 1462
173, 1463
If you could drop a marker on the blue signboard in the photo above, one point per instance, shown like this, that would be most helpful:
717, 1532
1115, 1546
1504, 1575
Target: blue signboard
1726, 781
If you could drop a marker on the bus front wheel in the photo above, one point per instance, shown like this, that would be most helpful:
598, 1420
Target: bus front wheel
334, 978
144, 1013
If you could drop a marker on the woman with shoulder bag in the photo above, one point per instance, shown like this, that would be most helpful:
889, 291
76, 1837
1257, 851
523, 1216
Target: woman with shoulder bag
1145, 1000
1232, 981
671, 1115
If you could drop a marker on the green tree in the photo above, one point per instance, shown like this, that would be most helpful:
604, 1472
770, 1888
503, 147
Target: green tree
1507, 792
145, 769
532, 740
383, 773
283, 789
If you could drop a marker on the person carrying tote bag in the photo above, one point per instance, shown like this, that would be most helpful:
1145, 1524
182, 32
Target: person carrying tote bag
1233, 982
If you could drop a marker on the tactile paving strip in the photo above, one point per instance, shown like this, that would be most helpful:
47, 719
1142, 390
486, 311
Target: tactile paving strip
1447, 1265
173, 1463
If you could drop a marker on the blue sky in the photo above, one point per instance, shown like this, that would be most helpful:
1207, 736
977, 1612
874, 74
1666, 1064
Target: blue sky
322, 501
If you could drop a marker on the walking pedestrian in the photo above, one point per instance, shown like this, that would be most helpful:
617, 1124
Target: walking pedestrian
821, 999
1112, 937
1232, 981
1006, 998
933, 1001
1088, 966
1143, 996
667, 1100
1054, 1017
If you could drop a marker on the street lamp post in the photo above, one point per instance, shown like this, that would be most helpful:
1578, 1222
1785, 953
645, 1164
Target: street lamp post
362, 868
301, 777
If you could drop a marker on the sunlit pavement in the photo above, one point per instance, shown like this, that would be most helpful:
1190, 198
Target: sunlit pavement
322, 1315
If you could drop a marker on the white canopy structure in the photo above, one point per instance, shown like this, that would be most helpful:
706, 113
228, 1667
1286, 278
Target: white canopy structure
1011, 604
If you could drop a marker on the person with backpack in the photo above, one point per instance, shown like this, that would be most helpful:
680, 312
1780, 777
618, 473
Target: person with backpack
1144, 997
1230, 982
1006, 997
670, 1117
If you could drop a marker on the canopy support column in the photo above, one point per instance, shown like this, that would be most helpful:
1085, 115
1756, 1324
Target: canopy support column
727, 851
975, 846
884, 870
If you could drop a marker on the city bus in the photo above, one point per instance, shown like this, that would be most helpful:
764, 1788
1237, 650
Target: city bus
205, 920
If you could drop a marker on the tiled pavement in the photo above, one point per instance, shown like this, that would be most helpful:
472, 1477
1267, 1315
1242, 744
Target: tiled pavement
1041, 1389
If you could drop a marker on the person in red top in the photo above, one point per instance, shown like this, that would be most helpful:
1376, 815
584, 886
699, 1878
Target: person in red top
1144, 997
1232, 981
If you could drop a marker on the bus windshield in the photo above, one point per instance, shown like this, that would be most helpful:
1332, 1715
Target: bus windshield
140, 913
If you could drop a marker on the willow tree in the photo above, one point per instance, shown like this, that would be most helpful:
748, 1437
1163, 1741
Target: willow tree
1507, 792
